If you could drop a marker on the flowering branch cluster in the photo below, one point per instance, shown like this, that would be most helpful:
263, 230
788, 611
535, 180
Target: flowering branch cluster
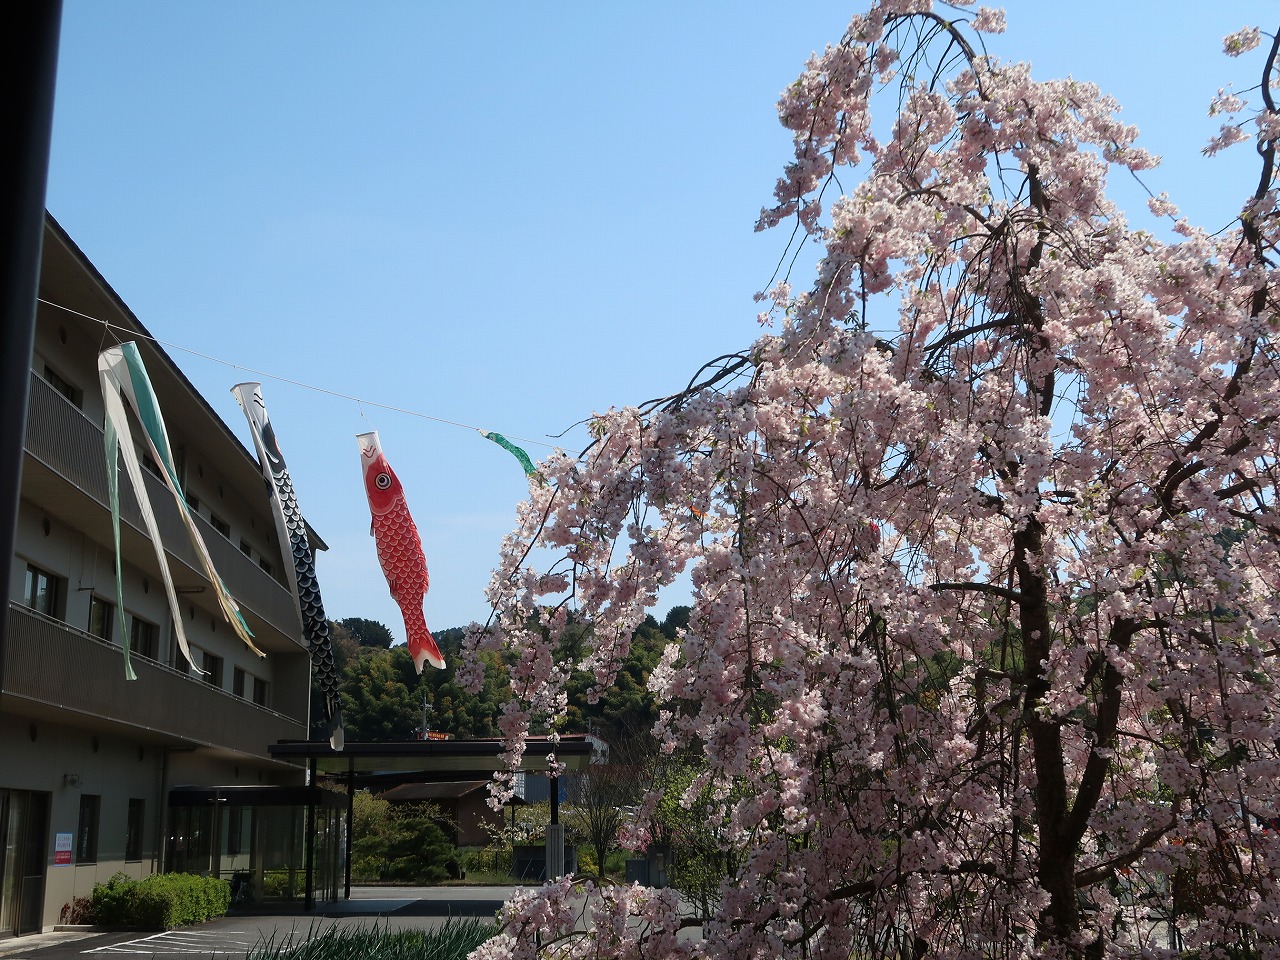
985, 639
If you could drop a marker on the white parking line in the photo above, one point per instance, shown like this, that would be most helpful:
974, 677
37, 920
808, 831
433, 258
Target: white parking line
185, 942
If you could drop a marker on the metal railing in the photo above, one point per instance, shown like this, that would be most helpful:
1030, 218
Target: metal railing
51, 663
61, 437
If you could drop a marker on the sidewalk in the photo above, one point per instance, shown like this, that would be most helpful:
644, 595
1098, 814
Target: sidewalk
397, 908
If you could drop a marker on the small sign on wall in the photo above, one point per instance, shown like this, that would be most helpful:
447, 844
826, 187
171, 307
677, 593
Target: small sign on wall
62, 849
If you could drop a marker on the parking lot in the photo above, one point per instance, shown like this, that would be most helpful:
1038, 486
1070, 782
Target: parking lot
396, 908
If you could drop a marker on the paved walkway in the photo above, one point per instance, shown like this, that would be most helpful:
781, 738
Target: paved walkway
395, 908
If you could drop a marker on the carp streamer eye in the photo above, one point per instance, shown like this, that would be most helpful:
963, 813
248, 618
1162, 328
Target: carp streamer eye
382, 481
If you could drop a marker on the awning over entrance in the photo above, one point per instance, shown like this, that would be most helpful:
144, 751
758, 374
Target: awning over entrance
440, 760
255, 796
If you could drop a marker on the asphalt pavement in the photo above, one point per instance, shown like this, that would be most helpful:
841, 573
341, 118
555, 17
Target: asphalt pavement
233, 936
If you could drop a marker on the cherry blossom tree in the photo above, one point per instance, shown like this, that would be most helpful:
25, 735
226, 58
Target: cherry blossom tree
985, 638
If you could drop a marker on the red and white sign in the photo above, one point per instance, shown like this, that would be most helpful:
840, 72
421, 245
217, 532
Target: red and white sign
62, 843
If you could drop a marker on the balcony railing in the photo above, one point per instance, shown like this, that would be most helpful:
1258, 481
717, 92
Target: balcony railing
61, 437
48, 662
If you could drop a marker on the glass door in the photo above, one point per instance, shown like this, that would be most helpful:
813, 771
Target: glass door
24, 829
35, 840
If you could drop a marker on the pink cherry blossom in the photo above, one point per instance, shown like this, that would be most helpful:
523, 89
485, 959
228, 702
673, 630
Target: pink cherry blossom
1242, 41
984, 651
989, 20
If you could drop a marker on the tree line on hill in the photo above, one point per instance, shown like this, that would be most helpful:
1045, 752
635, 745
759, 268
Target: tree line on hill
384, 699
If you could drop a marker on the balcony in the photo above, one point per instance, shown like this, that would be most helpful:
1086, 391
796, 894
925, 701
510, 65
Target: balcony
67, 448
49, 665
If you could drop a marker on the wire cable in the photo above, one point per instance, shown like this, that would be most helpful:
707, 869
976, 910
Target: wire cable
107, 325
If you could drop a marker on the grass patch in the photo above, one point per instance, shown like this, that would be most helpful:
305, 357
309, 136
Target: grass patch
456, 938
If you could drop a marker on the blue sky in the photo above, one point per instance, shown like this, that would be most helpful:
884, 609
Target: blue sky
507, 215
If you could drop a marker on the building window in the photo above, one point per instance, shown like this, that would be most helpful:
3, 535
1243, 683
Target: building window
87, 831
220, 525
149, 462
180, 661
265, 564
245, 548
101, 615
62, 385
250, 687
40, 591
212, 667
192, 501
133, 830
236, 830
144, 639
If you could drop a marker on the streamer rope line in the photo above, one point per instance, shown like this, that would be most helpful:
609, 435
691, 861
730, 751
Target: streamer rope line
107, 325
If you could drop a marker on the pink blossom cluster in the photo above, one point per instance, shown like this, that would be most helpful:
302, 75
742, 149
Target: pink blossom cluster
984, 653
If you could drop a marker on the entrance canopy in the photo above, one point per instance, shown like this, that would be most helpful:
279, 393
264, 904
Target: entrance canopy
426, 761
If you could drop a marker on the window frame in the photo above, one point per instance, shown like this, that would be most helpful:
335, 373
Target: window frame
222, 526
212, 665
73, 394
52, 595
153, 636
105, 629
87, 828
134, 830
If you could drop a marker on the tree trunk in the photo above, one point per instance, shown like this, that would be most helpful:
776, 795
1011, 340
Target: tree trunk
1060, 919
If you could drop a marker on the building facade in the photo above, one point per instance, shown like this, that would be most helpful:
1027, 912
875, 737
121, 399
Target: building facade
88, 759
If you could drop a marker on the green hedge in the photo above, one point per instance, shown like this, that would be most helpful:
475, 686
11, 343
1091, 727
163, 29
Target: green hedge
160, 901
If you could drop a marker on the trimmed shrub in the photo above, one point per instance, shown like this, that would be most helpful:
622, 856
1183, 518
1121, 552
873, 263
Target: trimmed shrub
160, 901
281, 885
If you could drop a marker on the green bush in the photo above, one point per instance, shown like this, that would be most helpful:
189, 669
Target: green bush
281, 885
488, 862
400, 843
160, 901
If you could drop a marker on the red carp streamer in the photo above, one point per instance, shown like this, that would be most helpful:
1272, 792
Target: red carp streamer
399, 549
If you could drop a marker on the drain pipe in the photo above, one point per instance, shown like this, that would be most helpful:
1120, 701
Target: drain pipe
162, 821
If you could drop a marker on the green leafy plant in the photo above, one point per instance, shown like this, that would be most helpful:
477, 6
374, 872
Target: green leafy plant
398, 842
160, 901
491, 864
281, 885
453, 940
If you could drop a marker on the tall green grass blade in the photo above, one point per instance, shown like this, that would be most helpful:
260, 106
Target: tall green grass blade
453, 940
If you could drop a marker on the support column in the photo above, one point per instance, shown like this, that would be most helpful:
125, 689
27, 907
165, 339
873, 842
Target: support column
346, 842
309, 903
555, 833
